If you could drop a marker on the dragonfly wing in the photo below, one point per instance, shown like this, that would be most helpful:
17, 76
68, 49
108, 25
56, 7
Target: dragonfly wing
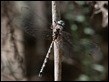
26, 23
66, 44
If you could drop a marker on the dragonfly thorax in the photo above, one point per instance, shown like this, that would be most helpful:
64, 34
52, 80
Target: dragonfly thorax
59, 25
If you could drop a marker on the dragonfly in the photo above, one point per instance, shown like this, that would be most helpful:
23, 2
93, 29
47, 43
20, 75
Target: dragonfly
28, 27
66, 43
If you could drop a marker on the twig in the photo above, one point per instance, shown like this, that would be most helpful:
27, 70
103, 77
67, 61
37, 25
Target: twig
57, 57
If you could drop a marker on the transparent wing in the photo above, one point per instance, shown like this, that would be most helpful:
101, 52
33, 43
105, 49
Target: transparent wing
25, 22
72, 47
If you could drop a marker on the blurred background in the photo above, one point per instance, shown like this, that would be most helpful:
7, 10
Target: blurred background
26, 36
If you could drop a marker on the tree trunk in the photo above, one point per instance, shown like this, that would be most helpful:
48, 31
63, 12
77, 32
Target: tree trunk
12, 56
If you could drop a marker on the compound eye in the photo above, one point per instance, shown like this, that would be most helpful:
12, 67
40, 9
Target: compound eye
60, 22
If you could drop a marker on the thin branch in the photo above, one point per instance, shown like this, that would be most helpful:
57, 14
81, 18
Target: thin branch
57, 57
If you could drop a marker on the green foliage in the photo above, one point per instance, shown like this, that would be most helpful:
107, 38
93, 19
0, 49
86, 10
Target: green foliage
82, 32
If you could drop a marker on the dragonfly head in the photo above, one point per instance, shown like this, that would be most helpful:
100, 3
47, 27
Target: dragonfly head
61, 23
